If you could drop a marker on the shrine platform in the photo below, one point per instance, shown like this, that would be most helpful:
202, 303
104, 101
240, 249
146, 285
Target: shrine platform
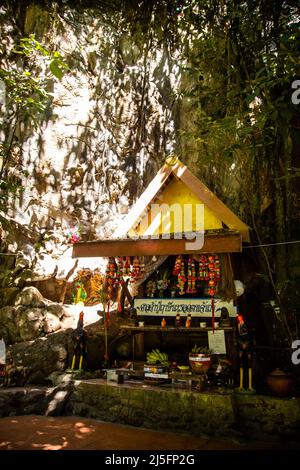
219, 412
210, 414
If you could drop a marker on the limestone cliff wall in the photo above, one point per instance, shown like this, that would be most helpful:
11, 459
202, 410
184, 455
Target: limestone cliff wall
112, 121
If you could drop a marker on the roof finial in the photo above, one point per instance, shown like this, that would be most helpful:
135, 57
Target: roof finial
172, 159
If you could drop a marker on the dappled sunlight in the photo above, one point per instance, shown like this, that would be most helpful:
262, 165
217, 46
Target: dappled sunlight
50, 446
82, 430
79, 425
86, 430
44, 433
4, 444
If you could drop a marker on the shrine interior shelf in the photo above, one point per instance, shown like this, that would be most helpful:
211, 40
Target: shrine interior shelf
173, 329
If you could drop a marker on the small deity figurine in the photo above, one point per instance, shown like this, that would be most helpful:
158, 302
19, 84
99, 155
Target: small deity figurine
150, 288
162, 285
160, 288
80, 294
224, 317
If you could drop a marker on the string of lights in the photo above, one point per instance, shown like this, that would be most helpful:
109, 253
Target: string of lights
272, 244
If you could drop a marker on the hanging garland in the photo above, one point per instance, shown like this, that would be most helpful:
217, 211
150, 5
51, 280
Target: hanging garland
177, 267
135, 272
120, 267
203, 269
181, 279
191, 277
218, 268
111, 271
142, 265
212, 275
179, 271
126, 268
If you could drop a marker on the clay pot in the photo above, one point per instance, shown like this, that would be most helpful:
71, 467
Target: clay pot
200, 363
280, 383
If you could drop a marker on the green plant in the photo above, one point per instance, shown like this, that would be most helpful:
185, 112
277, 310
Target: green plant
200, 350
26, 79
100, 296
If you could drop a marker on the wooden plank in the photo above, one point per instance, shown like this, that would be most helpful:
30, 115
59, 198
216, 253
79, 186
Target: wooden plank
225, 243
171, 329
211, 200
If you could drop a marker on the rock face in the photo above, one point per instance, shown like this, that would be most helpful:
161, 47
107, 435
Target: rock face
41, 357
30, 297
113, 120
39, 333
34, 400
32, 317
108, 129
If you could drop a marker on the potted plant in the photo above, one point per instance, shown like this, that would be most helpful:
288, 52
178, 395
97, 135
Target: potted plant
200, 359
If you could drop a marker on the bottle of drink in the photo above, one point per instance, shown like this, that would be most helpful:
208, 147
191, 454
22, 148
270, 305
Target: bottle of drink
177, 320
188, 321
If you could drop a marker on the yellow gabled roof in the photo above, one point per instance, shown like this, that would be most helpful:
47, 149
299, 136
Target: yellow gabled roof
175, 167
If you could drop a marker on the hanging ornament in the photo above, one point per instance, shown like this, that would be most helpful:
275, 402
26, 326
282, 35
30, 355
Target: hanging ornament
191, 277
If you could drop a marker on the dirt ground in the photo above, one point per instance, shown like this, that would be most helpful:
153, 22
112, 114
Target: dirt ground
75, 433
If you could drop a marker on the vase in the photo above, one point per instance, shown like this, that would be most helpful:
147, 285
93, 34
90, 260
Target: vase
200, 363
280, 383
